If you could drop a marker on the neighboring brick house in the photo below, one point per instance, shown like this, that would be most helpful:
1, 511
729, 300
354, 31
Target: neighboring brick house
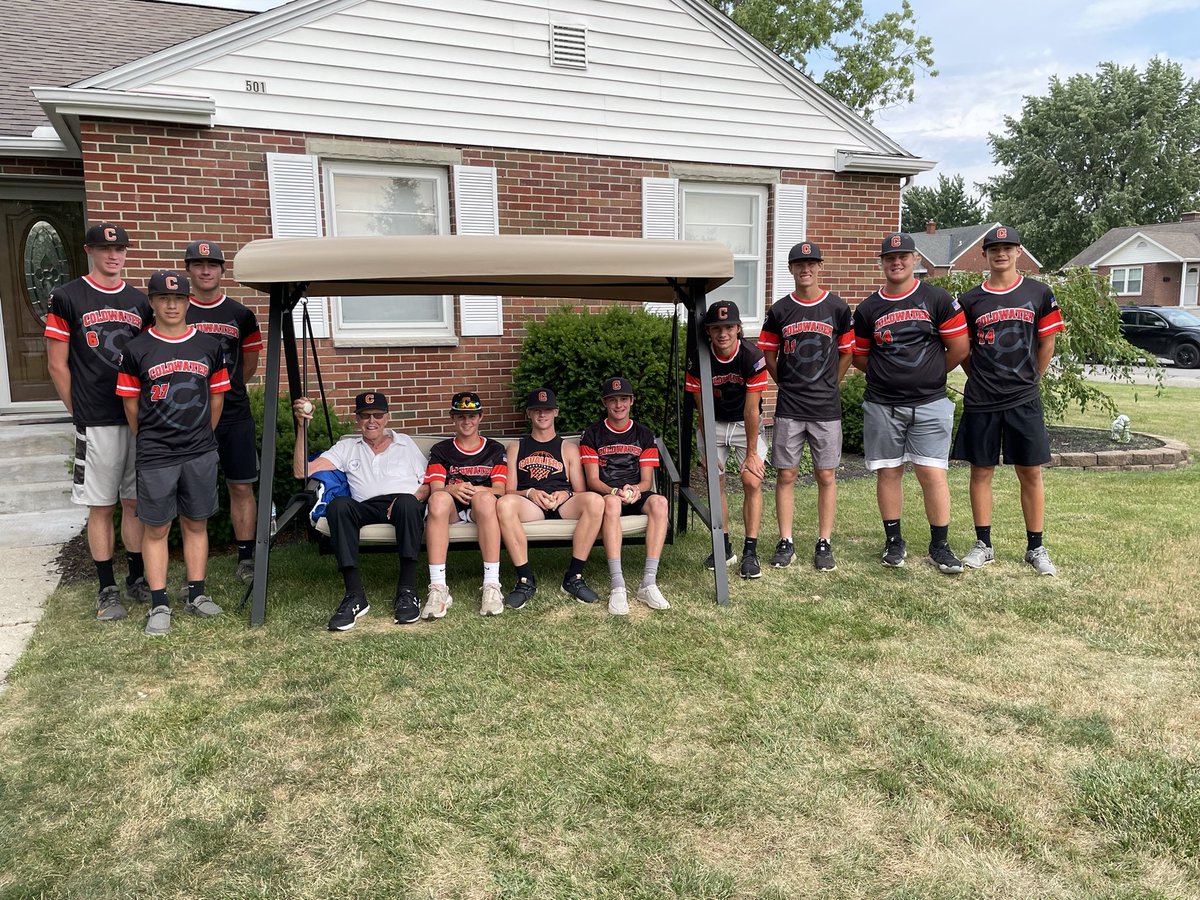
960, 249
383, 116
1149, 265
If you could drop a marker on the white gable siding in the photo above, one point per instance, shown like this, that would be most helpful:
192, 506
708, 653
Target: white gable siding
660, 83
1138, 251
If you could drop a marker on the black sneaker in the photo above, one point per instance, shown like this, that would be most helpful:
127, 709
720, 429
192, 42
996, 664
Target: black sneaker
750, 566
823, 557
407, 608
578, 589
894, 552
730, 559
785, 552
521, 593
352, 608
943, 557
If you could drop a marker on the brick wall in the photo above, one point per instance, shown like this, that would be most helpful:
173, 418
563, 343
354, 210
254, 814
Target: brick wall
1155, 291
170, 184
17, 166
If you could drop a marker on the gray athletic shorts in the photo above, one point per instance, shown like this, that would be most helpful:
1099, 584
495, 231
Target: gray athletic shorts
732, 436
186, 489
894, 435
104, 470
824, 439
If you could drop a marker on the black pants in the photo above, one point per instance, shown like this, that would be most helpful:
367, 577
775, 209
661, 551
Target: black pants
347, 515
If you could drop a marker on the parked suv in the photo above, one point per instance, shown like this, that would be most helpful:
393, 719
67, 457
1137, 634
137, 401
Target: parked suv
1165, 331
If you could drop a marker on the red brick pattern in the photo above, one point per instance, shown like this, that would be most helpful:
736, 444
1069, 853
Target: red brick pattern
1160, 284
17, 166
168, 185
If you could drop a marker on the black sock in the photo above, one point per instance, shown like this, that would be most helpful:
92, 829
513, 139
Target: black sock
938, 534
158, 598
575, 568
104, 572
750, 547
195, 589
1033, 540
353, 580
408, 576
245, 549
525, 570
137, 568
728, 545
891, 527
984, 533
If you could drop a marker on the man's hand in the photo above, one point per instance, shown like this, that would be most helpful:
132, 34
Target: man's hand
754, 465
630, 494
302, 409
462, 491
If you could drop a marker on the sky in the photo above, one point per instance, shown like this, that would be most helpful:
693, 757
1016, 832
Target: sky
989, 57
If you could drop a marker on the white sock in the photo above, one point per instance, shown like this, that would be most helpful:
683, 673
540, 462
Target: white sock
491, 572
437, 574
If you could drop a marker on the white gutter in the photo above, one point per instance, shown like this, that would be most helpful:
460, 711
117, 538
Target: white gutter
64, 106
880, 163
33, 146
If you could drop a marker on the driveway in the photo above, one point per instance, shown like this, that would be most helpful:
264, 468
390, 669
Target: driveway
1173, 376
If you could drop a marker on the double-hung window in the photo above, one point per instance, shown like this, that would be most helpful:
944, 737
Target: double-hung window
735, 215
1127, 281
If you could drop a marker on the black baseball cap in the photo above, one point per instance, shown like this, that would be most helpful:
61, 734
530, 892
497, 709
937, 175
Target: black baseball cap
106, 234
616, 387
1002, 234
202, 249
167, 282
723, 312
898, 242
805, 250
370, 400
465, 402
541, 398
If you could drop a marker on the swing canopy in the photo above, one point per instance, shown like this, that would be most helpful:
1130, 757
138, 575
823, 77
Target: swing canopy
556, 266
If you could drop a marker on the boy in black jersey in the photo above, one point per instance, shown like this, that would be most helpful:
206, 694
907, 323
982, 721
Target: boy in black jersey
172, 383
619, 457
739, 376
907, 336
236, 329
1012, 323
466, 475
91, 319
807, 341
545, 481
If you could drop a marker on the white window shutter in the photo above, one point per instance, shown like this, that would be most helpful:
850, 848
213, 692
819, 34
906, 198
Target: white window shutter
296, 212
476, 211
791, 227
660, 221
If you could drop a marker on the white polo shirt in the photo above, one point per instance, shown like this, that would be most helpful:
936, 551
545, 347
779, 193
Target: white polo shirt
397, 470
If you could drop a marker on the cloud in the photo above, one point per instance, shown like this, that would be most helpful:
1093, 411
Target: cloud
1108, 15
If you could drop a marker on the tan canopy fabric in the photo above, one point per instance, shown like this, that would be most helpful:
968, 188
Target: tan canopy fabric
589, 268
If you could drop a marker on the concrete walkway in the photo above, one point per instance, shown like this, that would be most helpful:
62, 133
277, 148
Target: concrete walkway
36, 518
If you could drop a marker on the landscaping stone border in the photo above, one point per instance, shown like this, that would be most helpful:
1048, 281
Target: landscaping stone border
1172, 455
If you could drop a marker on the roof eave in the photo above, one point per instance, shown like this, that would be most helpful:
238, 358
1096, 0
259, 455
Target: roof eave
881, 163
35, 147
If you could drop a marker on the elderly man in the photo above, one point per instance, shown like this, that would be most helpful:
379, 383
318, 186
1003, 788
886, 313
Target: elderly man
384, 469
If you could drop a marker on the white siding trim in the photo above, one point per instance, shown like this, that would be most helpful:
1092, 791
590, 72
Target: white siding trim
660, 221
477, 211
295, 191
791, 227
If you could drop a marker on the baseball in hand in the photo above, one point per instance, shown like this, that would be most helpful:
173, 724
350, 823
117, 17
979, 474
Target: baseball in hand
627, 493
306, 407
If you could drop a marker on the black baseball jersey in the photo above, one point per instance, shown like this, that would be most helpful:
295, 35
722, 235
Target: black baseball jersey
236, 329
621, 455
540, 465
902, 340
1004, 328
174, 379
450, 464
744, 372
96, 323
808, 336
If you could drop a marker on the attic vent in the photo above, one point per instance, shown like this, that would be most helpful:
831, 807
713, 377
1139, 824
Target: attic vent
568, 46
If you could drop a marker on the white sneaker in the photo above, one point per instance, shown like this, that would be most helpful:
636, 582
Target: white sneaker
491, 600
979, 556
438, 602
618, 602
1040, 560
652, 597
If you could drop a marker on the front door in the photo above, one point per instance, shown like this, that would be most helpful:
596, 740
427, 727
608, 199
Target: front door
41, 247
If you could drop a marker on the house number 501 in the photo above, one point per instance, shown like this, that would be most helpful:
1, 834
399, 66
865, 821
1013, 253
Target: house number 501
256, 87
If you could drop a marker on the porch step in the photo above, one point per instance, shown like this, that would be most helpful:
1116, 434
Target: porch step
38, 497
33, 529
40, 439
39, 468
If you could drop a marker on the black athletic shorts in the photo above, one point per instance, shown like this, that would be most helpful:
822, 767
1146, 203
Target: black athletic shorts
237, 443
1020, 432
188, 488
635, 509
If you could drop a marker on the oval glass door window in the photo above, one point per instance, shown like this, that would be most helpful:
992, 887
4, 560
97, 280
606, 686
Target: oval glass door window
46, 265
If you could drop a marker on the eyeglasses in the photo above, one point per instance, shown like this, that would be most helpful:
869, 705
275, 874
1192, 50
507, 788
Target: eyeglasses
372, 415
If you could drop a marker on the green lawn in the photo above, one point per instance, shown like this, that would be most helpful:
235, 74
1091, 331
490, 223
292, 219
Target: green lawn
867, 733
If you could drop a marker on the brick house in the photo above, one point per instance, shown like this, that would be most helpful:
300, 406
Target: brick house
1149, 265
598, 117
960, 249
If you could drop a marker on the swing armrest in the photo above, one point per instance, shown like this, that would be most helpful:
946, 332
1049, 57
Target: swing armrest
667, 461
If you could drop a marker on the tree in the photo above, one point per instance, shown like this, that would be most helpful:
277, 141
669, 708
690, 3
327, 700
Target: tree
867, 64
948, 204
1098, 152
